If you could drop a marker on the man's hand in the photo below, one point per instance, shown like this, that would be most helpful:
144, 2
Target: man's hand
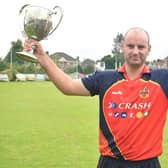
34, 45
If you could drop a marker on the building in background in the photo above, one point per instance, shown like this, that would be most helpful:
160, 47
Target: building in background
159, 63
64, 60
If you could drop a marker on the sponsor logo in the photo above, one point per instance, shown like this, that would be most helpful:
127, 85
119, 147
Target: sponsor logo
112, 105
131, 115
129, 110
116, 114
139, 114
117, 93
146, 113
138, 106
123, 115
128, 106
144, 93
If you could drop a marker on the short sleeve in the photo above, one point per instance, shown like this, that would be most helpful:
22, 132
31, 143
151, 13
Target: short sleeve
92, 83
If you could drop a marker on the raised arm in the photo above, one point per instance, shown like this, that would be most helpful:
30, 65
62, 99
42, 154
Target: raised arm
62, 81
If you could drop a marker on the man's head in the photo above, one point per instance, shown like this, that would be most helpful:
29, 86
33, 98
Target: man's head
136, 46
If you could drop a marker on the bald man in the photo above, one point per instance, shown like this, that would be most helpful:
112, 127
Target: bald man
132, 118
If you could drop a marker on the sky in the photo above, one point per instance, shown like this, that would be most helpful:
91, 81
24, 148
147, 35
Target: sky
88, 27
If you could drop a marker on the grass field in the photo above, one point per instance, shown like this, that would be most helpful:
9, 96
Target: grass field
42, 128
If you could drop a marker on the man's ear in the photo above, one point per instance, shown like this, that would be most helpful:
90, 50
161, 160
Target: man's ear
149, 49
122, 46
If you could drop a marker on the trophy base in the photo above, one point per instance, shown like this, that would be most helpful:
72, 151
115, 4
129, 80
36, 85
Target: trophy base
27, 56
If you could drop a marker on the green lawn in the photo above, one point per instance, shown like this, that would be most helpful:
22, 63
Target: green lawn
42, 128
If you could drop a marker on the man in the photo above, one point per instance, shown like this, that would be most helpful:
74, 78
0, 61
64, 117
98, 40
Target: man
131, 115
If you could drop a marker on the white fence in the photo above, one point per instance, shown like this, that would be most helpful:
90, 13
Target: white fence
4, 78
25, 77
31, 77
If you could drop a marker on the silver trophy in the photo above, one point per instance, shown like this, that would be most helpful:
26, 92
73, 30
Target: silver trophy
38, 23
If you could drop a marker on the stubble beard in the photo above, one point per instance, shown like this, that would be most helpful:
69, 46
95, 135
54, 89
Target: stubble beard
135, 63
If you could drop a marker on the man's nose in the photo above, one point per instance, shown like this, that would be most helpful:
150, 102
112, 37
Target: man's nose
135, 50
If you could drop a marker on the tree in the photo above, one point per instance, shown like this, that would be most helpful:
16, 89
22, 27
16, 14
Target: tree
2, 65
89, 69
116, 50
114, 61
16, 46
109, 62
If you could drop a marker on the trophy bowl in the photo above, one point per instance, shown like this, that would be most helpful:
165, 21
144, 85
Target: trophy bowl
38, 23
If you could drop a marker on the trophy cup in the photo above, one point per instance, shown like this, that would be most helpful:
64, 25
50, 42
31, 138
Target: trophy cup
38, 23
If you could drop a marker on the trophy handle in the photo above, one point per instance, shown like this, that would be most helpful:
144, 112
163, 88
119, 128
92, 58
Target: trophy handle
23, 7
55, 12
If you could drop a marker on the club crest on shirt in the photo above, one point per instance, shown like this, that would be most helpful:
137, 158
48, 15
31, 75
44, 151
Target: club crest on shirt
144, 93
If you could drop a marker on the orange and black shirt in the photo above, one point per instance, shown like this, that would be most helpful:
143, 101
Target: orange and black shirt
132, 112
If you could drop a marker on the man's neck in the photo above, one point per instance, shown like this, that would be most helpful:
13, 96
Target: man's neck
133, 71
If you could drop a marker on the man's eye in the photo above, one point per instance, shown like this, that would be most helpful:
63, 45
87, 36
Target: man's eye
141, 46
130, 46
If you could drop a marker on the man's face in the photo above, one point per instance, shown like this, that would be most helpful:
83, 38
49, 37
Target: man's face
136, 47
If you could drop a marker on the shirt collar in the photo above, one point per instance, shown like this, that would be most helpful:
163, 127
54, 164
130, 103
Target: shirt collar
145, 69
